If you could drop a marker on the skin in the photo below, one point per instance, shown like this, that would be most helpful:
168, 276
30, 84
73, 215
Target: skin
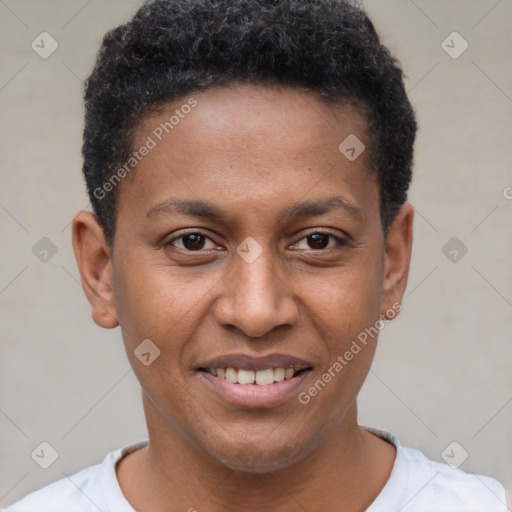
252, 152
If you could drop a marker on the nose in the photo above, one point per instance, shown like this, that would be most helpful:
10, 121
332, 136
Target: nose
254, 299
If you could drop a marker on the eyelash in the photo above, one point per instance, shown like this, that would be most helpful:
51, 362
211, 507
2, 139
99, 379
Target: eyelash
340, 241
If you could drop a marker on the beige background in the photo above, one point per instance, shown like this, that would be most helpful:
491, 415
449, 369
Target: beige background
443, 368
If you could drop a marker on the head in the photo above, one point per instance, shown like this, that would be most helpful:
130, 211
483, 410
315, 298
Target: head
248, 163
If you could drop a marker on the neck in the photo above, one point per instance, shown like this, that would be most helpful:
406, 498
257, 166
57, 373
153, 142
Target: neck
350, 467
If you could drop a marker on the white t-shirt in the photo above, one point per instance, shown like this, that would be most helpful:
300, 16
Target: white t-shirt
416, 484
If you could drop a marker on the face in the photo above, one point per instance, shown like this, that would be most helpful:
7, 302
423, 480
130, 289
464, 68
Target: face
248, 247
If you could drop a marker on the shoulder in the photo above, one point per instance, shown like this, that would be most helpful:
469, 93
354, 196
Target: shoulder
440, 484
88, 490
72, 492
418, 484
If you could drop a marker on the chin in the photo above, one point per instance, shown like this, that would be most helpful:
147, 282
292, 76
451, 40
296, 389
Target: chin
257, 456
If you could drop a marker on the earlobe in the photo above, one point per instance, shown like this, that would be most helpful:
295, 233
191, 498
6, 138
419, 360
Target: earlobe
93, 258
397, 259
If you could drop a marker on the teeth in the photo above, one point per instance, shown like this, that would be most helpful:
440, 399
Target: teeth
279, 374
260, 377
245, 377
231, 375
264, 377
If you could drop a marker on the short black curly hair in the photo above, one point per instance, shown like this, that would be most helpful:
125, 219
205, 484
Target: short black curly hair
171, 48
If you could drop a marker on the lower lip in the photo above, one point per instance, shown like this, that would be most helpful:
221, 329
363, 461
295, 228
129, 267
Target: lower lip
253, 395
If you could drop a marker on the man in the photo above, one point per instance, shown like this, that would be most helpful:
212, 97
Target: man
248, 163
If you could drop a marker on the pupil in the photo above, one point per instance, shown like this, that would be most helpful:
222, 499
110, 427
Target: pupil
319, 239
193, 241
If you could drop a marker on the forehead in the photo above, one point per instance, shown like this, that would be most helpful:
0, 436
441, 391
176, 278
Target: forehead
251, 112
262, 145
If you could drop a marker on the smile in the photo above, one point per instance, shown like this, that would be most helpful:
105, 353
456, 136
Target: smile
249, 389
258, 378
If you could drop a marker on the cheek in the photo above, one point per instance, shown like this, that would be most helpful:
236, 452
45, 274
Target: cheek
346, 319
345, 312
157, 303
346, 300
163, 304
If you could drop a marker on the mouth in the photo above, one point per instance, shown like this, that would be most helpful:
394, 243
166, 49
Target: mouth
264, 377
250, 382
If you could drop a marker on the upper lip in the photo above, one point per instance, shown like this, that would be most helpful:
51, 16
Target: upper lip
247, 362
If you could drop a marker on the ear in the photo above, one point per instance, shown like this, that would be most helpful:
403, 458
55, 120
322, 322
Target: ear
93, 258
397, 258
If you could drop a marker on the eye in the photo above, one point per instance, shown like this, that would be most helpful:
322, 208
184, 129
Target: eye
192, 241
319, 240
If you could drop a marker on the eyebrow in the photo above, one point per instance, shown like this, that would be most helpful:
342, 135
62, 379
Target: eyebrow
203, 209
189, 207
320, 207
